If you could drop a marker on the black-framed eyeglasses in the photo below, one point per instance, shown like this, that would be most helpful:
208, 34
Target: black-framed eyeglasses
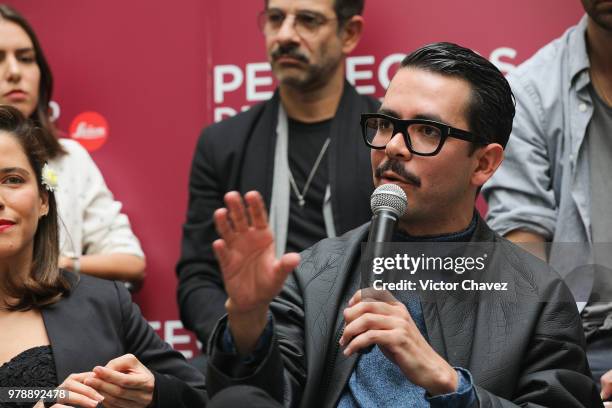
305, 23
422, 137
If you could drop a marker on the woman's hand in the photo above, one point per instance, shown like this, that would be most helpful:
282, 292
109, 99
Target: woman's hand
123, 382
79, 394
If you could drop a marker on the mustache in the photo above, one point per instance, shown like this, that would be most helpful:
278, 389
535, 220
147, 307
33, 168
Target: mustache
396, 167
288, 50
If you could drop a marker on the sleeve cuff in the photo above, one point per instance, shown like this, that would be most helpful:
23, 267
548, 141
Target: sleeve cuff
227, 344
465, 396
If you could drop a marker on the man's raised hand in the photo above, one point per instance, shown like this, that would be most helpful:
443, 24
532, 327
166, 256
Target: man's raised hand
251, 273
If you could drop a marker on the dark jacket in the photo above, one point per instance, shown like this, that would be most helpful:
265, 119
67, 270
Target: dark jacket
238, 154
98, 322
528, 352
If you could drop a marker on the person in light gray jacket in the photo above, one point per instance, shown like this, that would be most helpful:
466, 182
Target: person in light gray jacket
553, 184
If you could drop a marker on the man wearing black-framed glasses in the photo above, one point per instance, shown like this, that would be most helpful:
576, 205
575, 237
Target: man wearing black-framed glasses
295, 148
423, 137
319, 341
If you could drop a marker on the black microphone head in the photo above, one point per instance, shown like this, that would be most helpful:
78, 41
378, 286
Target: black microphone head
389, 197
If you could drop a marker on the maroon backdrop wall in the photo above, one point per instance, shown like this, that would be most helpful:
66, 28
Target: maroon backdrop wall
157, 72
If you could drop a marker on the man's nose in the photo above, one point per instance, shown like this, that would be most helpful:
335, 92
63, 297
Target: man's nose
396, 147
287, 32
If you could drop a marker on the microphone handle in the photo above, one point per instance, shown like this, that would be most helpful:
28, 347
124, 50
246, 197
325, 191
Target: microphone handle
381, 230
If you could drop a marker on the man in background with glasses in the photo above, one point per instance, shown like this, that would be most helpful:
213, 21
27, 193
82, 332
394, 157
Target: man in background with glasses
297, 149
302, 338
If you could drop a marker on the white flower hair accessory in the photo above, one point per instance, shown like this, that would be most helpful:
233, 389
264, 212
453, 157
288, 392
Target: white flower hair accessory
49, 178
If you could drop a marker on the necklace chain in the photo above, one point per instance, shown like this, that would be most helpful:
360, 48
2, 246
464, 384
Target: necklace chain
302, 196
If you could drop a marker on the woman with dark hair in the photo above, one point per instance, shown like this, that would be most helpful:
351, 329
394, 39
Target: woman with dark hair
95, 237
58, 328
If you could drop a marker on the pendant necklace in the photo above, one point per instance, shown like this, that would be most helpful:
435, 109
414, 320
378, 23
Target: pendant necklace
302, 196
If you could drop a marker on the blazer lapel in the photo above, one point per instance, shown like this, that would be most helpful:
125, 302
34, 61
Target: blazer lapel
342, 367
80, 338
451, 319
67, 340
450, 327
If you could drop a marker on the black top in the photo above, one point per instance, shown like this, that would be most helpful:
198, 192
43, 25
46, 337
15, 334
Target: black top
306, 224
31, 368
461, 236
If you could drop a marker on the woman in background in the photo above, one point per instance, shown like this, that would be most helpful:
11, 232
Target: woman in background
95, 237
57, 327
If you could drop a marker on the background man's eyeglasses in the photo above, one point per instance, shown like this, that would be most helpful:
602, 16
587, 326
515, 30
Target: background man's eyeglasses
422, 137
305, 23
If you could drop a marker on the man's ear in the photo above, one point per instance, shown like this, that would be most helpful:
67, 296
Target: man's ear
44, 203
351, 34
488, 159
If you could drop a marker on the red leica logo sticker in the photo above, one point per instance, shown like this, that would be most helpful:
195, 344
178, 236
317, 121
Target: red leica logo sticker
89, 129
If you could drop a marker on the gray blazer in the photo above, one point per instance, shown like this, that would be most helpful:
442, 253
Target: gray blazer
524, 351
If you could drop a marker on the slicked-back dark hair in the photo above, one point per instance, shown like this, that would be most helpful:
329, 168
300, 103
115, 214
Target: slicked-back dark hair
491, 109
40, 116
44, 284
345, 9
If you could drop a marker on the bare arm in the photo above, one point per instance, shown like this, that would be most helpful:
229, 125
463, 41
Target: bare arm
534, 243
123, 267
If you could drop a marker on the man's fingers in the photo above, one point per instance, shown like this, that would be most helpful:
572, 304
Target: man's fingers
222, 224
606, 391
371, 337
289, 262
371, 294
606, 385
237, 212
257, 209
356, 298
365, 322
221, 251
381, 308
283, 266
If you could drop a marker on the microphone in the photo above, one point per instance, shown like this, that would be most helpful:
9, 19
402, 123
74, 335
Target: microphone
388, 204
